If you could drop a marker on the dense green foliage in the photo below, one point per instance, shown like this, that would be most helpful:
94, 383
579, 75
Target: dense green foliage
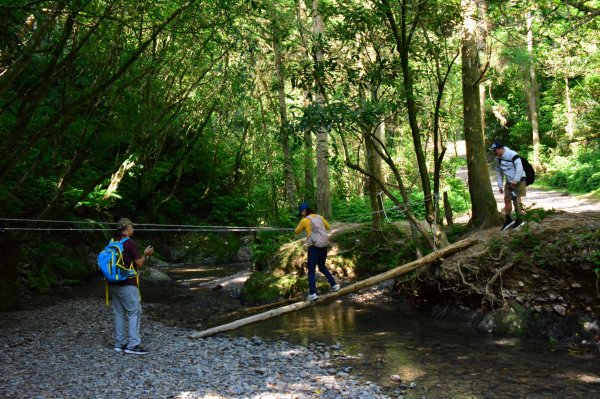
579, 173
174, 104
181, 112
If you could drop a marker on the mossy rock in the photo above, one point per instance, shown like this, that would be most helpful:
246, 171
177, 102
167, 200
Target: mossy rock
513, 320
263, 288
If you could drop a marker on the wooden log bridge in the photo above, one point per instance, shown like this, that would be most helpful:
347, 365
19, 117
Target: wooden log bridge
424, 261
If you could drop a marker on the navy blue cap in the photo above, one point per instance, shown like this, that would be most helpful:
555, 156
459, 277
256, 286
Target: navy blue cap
496, 144
302, 207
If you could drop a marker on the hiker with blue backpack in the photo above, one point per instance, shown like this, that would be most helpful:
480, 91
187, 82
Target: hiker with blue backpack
317, 241
119, 263
519, 174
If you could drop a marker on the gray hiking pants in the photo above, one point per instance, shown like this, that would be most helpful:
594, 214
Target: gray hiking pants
128, 311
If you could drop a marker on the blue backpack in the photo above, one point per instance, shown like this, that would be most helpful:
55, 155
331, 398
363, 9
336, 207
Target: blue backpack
111, 264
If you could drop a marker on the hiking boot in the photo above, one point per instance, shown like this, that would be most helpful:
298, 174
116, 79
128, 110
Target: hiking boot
138, 350
119, 349
518, 224
508, 223
335, 288
311, 297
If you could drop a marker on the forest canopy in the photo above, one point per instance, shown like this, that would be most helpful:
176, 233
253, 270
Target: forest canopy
232, 112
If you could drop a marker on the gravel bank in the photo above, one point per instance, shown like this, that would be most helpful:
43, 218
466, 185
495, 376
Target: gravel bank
65, 351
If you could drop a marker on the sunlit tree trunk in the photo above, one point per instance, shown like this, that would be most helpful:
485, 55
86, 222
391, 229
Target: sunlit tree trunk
373, 161
269, 159
484, 209
116, 178
484, 29
533, 93
290, 188
373, 135
323, 191
309, 151
570, 127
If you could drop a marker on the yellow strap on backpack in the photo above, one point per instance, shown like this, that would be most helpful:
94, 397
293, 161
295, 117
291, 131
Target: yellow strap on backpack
106, 285
137, 279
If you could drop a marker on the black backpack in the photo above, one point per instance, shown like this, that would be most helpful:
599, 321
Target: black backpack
529, 172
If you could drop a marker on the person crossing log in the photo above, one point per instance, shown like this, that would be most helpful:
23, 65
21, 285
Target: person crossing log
408, 267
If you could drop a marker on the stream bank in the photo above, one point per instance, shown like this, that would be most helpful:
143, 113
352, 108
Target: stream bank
540, 281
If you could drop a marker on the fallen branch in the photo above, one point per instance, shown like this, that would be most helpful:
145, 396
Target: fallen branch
424, 261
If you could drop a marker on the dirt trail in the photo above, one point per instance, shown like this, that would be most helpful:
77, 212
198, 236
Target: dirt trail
536, 196
551, 199
544, 198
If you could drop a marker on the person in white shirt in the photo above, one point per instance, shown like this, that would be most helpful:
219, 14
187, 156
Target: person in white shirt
509, 165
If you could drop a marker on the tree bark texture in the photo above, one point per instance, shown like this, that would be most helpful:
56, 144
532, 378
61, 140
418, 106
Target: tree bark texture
570, 127
373, 161
309, 150
290, 188
323, 190
533, 94
448, 210
484, 28
484, 208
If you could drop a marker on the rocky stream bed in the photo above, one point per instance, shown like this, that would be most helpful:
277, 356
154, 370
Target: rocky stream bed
65, 351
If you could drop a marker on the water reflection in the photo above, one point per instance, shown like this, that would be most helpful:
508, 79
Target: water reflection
446, 360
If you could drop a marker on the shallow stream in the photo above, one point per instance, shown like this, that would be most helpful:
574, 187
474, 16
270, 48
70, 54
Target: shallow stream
444, 359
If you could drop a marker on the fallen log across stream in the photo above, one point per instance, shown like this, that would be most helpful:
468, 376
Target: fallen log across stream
424, 261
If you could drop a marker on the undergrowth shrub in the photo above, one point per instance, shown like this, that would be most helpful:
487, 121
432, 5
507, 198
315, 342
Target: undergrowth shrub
52, 263
578, 173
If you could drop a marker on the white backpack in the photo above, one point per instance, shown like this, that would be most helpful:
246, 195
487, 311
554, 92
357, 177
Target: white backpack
318, 236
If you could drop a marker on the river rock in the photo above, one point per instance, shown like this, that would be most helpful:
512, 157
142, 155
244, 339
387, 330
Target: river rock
487, 324
561, 310
244, 254
155, 276
158, 264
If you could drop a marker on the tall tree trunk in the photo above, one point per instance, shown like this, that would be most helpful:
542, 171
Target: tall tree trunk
533, 93
484, 212
10, 290
403, 36
263, 124
239, 155
323, 192
373, 161
290, 187
570, 127
372, 82
484, 29
309, 165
